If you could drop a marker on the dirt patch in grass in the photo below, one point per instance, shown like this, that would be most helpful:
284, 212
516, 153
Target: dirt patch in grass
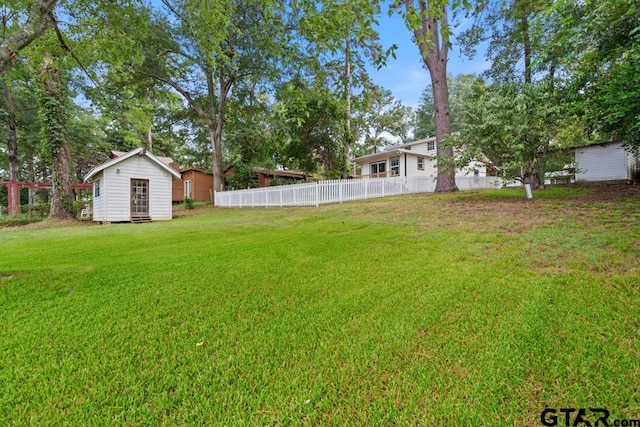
180, 211
609, 192
517, 215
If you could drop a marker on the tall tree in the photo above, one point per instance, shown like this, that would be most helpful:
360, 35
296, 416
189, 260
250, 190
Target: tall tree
342, 35
53, 100
17, 34
429, 22
517, 33
233, 40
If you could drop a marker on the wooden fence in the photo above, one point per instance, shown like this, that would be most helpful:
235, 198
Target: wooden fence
341, 190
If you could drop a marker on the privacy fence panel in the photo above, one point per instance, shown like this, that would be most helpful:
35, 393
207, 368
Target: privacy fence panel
338, 191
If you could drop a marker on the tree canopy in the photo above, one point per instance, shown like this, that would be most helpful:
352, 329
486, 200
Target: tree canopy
288, 83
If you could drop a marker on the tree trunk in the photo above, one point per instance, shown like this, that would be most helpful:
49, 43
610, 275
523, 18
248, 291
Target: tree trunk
347, 140
527, 50
215, 123
215, 136
426, 20
446, 163
12, 148
150, 139
62, 194
52, 103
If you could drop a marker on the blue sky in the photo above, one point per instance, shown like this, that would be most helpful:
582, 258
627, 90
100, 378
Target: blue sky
406, 76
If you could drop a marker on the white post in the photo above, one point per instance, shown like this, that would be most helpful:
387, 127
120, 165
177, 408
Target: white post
317, 194
527, 190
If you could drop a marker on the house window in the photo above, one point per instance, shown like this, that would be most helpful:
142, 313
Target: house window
187, 189
431, 145
395, 166
476, 175
96, 189
377, 167
420, 163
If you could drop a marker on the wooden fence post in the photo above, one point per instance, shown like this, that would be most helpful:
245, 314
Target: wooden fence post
13, 199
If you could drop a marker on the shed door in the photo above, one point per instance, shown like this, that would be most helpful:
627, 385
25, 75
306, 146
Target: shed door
139, 197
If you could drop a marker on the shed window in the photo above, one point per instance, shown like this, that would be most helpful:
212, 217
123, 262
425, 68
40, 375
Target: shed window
420, 163
96, 189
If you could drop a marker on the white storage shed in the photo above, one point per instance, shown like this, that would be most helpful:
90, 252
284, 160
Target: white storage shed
136, 186
606, 162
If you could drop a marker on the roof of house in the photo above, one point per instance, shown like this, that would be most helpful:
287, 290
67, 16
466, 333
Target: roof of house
196, 169
597, 143
138, 151
390, 153
280, 173
416, 142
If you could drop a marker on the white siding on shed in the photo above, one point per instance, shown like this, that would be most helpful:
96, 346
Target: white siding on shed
99, 202
633, 166
117, 188
114, 202
607, 162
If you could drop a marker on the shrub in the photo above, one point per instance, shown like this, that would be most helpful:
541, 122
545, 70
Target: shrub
189, 202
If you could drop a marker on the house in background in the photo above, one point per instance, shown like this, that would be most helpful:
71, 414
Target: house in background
196, 184
417, 158
263, 177
608, 161
269, 177
564, 176
133, 186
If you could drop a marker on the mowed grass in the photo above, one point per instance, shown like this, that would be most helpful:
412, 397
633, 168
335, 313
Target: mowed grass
476, 308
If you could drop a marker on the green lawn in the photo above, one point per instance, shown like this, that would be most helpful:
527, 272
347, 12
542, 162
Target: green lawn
477, 308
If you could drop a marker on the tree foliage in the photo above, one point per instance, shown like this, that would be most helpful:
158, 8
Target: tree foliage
311, 128
460, 88
510, 126
602, 45
380, 119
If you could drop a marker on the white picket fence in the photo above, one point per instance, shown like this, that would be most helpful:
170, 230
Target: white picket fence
341, 190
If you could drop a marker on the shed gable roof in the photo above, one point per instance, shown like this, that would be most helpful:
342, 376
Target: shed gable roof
138, 151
